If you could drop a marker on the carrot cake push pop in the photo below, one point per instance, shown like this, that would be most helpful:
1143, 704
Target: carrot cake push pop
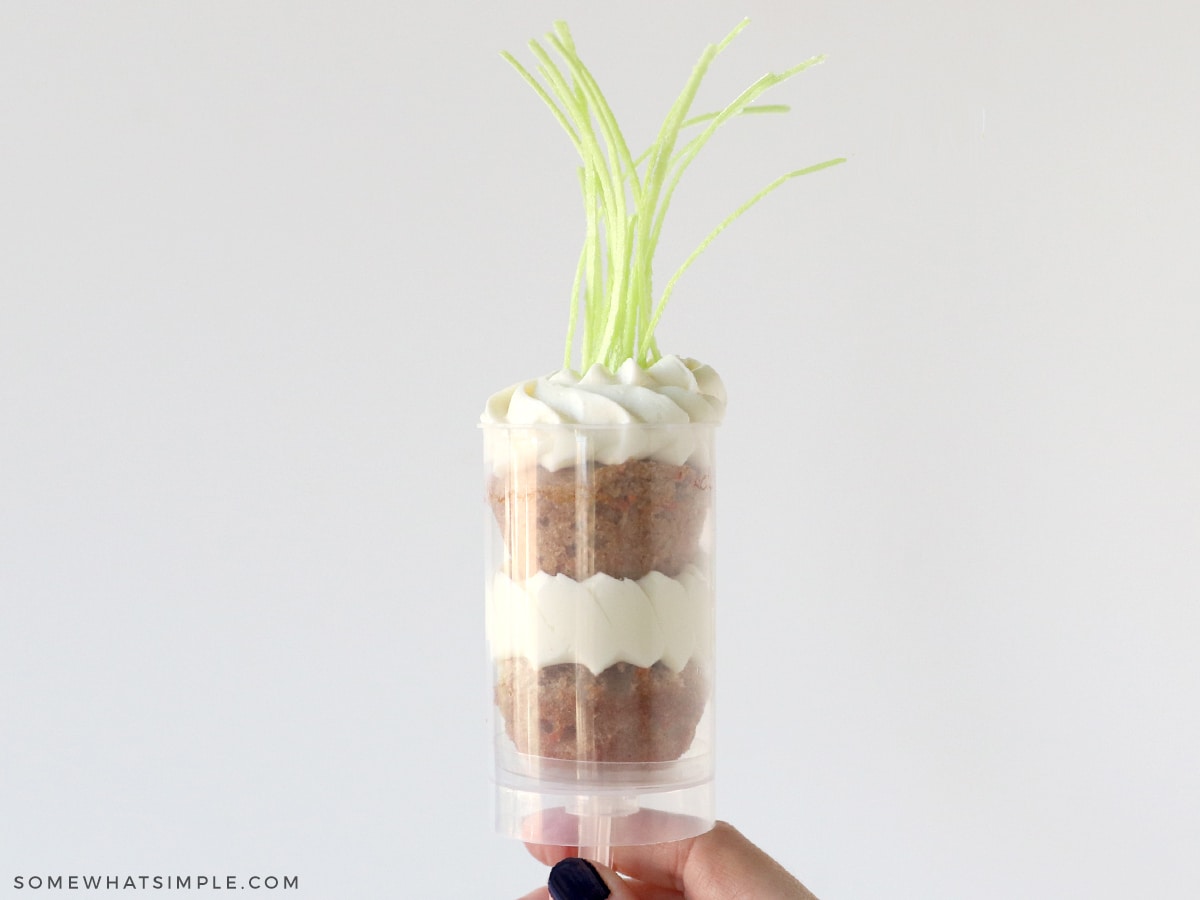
600, 483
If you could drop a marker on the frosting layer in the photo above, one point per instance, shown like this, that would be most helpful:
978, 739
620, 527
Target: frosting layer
674, 391
551, 619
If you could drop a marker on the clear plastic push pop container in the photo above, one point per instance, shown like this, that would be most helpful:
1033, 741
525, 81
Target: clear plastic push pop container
600, 494
600, 632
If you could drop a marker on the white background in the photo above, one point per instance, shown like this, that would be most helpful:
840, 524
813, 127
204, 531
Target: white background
261, 263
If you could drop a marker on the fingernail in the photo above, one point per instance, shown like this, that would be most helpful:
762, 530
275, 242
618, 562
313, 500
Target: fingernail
577, 879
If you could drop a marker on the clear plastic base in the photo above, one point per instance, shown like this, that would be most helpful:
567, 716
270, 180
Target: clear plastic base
572, 804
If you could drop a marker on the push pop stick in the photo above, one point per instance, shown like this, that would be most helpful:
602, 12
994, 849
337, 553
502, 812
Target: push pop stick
600, 493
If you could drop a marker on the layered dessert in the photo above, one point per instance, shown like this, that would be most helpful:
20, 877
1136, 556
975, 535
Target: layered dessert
599, 615
599, 493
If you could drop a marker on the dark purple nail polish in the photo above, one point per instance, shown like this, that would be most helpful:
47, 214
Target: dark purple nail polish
577, 879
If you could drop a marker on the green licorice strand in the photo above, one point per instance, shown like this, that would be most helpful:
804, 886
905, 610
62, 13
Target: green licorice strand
698, 141
620, 225
630, 306
609, 205
591, 247
574, 316
728, 39
595, 273
637, 351
647, 304
729, 220
642, 292
563, 32
597, 300
668, 133
572, 103
555, 80
614, 307
612, 287
619, 229
696, 120
611, 226
593, 160
588, 145
663, 146
762, 108
577, 283
613, 195
541, 92
647, 346
584, 101
647, 349
695, 145
578, 300
616, 227
660, 158
608, 121
739, 103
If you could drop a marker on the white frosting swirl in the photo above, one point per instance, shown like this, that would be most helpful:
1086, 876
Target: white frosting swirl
672, 391
675, 391
551, 619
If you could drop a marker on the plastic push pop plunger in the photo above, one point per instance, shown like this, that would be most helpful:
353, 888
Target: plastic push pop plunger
600, 511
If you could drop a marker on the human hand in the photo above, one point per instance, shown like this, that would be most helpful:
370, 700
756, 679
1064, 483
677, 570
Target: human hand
718, 865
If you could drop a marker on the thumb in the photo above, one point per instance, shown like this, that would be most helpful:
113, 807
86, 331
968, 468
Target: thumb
578, 879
